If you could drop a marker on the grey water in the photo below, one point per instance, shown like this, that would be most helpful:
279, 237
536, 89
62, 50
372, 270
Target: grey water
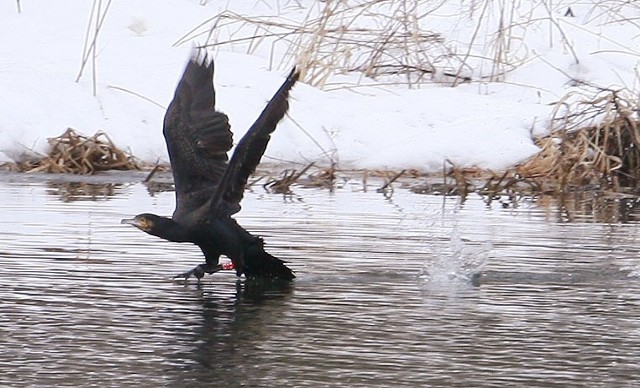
392, 290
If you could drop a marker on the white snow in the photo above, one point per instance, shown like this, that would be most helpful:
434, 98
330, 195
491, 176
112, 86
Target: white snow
377, 124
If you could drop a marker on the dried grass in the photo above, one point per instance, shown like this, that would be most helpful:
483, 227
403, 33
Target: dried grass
72, 153
372, 37
594, 141
283, 184
397, 38
96, 20
594, 144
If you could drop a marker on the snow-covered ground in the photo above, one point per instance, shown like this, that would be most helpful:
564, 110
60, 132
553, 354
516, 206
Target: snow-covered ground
377, 124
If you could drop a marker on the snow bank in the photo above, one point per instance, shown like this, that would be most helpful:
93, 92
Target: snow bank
486, 124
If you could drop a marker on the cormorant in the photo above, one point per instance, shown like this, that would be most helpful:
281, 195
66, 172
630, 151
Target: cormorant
209, 186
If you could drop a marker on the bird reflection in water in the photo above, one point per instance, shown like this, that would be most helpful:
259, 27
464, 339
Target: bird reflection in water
232, 325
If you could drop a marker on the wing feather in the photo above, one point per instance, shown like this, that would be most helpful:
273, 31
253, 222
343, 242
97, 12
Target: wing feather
250, 149
198, 139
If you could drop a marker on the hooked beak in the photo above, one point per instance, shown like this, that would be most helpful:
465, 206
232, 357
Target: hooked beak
130, 221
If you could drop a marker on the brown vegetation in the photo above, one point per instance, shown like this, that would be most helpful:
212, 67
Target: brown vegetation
578, 152
73, 153
594, 144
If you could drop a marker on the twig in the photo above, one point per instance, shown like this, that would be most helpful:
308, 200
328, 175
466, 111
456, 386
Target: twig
137, 95
90, 50
152, 173
386, 185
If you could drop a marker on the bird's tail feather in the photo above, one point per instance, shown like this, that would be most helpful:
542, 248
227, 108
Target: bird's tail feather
260, 264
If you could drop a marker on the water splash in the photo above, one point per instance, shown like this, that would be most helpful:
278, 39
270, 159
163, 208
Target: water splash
633, 271
460, 262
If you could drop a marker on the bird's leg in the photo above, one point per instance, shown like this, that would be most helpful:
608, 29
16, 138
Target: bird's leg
199, 271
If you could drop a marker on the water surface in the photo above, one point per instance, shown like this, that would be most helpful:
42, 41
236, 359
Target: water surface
411, 290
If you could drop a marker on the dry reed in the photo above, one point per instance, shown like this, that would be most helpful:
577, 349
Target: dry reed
96, 20
77, 154
594, 141
372, 38
396, 38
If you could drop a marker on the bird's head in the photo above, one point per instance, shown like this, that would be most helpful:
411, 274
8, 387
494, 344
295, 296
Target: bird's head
145, 222
162, 227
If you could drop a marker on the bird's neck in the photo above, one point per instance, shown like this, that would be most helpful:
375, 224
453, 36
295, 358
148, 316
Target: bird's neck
170, 230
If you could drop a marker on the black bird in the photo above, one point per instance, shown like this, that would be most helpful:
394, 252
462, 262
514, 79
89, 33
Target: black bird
209, 186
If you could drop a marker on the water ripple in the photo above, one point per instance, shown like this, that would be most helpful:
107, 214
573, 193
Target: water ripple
87, 301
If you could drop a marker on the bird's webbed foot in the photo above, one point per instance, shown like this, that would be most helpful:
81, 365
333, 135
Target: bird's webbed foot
199, 271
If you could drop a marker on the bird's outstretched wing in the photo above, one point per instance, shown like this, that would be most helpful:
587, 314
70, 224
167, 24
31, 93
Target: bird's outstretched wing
249, 151
198, 139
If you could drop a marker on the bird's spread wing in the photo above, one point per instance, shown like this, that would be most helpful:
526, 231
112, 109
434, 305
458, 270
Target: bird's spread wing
198, 139
249, 151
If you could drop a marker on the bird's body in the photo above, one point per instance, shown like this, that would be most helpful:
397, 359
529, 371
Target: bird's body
209, 186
